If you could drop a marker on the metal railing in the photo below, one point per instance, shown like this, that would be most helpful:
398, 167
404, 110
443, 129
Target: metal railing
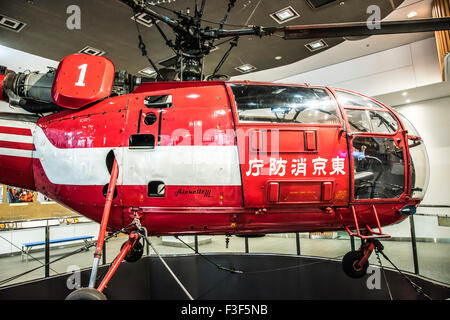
247, 242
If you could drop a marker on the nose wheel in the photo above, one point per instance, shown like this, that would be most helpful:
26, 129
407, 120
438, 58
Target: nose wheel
352, 266
355, 263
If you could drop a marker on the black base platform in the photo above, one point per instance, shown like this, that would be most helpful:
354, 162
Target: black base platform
290, 277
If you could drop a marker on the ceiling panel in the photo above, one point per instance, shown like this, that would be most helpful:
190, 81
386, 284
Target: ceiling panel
107, 26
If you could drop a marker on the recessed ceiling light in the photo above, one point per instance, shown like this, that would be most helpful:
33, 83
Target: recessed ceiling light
404, 93
144, 19
316, 45
11, 24
148, 72
408, 100
316, 4
245, 68
412, 14
278, 57
284, 15
92, 51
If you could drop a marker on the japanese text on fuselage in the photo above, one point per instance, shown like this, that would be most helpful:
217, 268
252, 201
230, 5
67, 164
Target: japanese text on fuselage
299, 167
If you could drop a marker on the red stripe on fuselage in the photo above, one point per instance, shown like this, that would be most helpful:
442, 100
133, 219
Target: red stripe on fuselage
18, 131
17, 145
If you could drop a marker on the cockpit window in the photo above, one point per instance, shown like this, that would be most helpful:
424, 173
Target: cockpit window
347, 99
284, 104
371, 121
379, 168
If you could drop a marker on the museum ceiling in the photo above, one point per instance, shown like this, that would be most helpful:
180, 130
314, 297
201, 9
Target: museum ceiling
106, 25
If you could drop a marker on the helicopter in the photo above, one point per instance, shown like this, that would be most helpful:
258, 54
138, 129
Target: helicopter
202, 155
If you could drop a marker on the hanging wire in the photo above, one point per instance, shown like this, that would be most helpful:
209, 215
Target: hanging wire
384, 274
416, 287
143, 48
144, 235
232, 270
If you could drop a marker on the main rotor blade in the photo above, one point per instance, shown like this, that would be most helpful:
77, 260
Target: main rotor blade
365, 28
335, 30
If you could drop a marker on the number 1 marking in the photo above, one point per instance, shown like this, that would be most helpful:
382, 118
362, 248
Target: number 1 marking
80, 82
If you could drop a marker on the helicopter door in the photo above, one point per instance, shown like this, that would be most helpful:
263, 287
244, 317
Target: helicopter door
378, 149
291, 146
143, 134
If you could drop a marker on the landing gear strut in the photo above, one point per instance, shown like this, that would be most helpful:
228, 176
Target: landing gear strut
131, 250
355, 263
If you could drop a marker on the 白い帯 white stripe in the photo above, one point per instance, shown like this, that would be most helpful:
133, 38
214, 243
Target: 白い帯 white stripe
180, 165
16, 152
17, 124
15, 138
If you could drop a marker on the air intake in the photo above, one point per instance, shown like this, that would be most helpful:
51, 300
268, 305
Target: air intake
316, 4
11, 24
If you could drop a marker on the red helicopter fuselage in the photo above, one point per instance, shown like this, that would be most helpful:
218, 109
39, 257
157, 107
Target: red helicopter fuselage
220, 158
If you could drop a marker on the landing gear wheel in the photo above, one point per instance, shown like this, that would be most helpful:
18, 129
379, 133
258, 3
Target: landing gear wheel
135, 252
350, 264
86, 294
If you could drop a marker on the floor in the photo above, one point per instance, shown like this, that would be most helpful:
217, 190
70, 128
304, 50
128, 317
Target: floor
434, 258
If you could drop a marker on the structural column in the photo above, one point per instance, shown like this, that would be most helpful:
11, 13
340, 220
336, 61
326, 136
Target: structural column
441, 9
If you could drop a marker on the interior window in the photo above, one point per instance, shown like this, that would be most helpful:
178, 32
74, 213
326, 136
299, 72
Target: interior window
379, 168
371, 121
279, 104
358, 120
351, 99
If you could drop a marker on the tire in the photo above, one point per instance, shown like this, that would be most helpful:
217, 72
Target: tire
349, 263
135, 252
86, 294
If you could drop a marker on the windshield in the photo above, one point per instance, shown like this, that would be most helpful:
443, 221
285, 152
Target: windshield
284, 104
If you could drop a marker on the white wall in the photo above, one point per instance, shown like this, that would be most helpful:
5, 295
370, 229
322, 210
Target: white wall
405, 67
432, 119
20, 61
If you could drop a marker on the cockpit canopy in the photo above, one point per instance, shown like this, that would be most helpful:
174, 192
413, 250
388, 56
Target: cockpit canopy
376, 132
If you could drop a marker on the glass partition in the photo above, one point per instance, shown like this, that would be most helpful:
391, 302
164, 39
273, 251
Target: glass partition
419, 245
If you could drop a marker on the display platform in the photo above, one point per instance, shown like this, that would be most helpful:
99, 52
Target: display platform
265, 276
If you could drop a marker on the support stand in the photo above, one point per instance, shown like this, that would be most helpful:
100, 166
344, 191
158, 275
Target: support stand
104, 223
